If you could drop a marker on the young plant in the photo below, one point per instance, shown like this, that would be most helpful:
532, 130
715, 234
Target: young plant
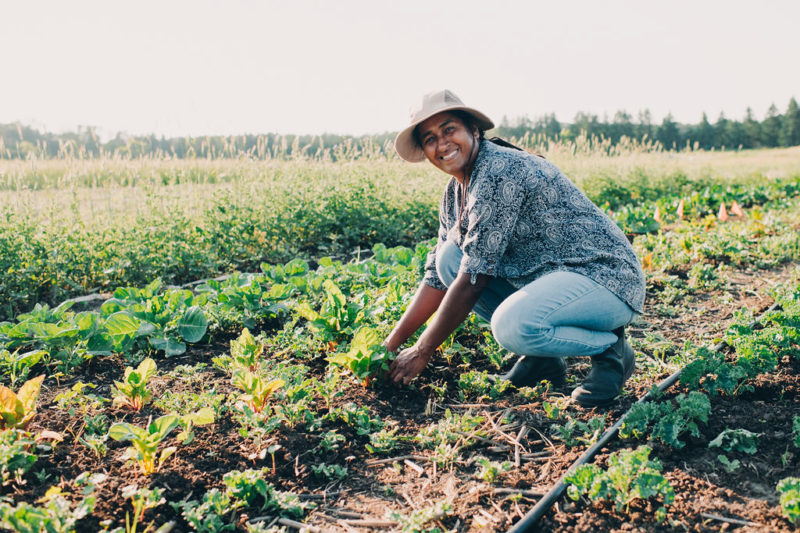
476, 384
383, 441
257, 390
15, 456
419, 521
245, 354
789, 491
17, 410
77, 400
132, 390
667, 422
736, 440
142, 500
187, 422
327, 471
630, 475
366, 357
145, 441
490, 471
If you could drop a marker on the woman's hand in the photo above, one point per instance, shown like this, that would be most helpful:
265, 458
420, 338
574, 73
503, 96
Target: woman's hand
409, 363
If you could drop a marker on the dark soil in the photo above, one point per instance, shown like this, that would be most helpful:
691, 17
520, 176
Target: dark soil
708, 497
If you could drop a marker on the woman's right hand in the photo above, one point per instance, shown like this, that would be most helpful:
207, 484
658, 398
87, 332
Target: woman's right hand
409, 364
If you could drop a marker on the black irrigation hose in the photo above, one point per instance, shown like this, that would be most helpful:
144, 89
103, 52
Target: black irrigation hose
529, 521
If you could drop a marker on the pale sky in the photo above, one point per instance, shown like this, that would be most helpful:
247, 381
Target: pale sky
179, 67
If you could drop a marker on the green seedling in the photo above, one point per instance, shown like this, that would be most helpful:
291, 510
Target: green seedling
77, 400
476, 384
736, 440
132, 390
383, 441
419, 520
18, 409
96, 443
327, 471
146, 441
490, 471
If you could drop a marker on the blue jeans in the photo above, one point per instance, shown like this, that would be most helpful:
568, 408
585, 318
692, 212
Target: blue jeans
560, 314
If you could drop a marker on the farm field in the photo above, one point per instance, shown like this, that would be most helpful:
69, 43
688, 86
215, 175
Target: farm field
255, 402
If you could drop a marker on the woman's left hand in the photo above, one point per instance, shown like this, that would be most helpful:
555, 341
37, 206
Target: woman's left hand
409, 363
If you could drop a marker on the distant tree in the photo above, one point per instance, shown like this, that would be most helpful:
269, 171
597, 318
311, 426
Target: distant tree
770, 127
623, 126
668, 134
752, 130
586, 123
721, 132
789, 134
644, 126
703, 133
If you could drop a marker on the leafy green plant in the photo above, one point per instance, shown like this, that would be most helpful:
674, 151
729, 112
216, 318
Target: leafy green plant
490, 471
736, 440
56, 514
630, 475
187, 423
452, 428
418, 521
15, 454
366, 356
17, 410
208, 515
132, 390
337, 318
330, 441
730, 466
666, 422
789, 492
257, 389
476, 384
142, 499
383, 441
574, 431
146, 441
358, 417
249, 488
77, 400
327, 471
16, 366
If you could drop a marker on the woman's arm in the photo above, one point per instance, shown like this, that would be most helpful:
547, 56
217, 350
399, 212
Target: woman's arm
458, 301
425, 302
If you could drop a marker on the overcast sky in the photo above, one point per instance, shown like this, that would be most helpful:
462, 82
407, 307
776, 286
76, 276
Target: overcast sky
179, 67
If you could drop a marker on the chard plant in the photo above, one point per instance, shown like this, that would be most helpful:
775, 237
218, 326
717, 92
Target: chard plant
631, 475
202, 417
77, 400
142, 499
17, 409
337, 318
168, 320
366, 356
145, 442
17, 366
257, 389
132, 390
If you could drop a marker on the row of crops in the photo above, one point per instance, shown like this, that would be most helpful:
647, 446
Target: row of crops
265, 390
72, 240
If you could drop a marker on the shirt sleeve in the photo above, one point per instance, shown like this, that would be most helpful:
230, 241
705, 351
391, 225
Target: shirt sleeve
431, 276
494, 208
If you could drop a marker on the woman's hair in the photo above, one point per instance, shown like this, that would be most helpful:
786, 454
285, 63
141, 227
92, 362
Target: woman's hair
463, 116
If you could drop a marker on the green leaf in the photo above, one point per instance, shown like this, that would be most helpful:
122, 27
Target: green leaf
163, 425
193, 325
122, 431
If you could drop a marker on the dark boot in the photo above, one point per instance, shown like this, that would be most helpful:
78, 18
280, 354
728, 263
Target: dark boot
610, 370
528, 371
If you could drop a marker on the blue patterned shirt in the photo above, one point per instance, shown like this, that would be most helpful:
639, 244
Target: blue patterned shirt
523, 219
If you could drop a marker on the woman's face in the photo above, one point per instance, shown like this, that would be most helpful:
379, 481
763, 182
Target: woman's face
448, 144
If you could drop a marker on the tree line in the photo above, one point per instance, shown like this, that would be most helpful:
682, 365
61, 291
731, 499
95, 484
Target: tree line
774, 130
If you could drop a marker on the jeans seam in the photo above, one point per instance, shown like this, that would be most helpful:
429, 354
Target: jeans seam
553, 328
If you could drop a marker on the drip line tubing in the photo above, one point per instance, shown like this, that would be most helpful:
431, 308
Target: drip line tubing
532, 517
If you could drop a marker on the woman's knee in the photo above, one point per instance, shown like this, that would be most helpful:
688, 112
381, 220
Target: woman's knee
448, 260
518, 334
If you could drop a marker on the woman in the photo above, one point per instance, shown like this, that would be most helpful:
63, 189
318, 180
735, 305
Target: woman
525, 249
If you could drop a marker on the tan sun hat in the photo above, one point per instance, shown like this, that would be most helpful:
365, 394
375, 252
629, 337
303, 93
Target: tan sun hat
433, 103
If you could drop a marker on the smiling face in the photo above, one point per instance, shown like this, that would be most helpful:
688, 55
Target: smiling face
448, 143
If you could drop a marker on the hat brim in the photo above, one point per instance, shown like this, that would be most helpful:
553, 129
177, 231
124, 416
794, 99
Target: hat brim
407, 147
